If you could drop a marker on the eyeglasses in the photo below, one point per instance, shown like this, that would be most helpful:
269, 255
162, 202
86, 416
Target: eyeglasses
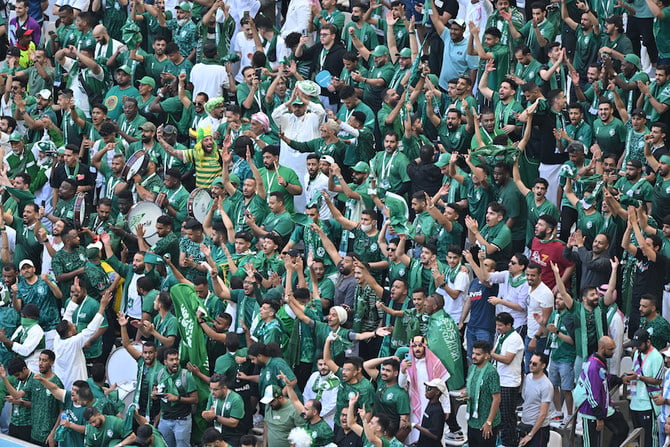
284, 253
534, 363
390, 249
199, 103
513, 263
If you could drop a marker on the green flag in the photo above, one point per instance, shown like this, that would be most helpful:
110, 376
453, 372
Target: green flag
445, 342
192, 347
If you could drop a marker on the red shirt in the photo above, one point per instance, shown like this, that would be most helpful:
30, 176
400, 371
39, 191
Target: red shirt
541, 252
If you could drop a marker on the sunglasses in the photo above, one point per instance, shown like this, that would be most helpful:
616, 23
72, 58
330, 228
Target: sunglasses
534, 363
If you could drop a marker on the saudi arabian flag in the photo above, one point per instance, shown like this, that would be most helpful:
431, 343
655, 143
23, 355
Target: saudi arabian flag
444, 341
192, 348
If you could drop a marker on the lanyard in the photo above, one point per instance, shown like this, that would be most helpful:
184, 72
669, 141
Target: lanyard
386, 167
111, 185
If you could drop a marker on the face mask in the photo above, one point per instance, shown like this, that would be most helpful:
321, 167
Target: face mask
366, 228
355, 18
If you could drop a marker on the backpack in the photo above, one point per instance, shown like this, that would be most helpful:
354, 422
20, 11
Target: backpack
181, 388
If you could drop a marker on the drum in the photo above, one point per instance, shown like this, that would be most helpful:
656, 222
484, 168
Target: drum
80, 211
145, 213
122, 371
121, 367
136, 164
199, 203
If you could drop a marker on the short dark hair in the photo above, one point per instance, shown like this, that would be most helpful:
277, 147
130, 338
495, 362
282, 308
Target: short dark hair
534, 266
505, 318
482, 345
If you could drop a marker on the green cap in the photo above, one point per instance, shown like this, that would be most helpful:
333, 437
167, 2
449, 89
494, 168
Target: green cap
147, 80
234, 179
434, 79
184, 6
15, 136
380, 50
297, 101
153, 258
633, 59
125, 69
405, 52
665, 159
218, 182
443, 160
361, 166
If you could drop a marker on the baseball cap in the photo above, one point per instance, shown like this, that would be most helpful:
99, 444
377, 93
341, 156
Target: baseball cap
218, 182
15, 136
328, 159
126, 69
380, 50
641, 336
169, 129
297, 101
361, 166
271, 393
437, 383
152, 258
459, 22
147, 80
633, 59
26, 262
443, 160
44, 93
184, 6
405, 53
148, 126
635, 163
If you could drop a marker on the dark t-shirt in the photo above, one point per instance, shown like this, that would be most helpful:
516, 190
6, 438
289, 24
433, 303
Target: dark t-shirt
482, 314
649, 276
350, 439
433, 420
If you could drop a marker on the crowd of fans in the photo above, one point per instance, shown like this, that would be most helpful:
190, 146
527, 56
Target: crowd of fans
337, 223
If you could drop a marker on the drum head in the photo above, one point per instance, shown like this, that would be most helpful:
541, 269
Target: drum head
80, 211
199, 203
145, 213
136, 164
121, 367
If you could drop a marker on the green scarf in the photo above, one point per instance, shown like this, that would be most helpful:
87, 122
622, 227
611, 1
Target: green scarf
28, 323
451, 273
474, 385
583, 341
501, 340
327, 383
516, 282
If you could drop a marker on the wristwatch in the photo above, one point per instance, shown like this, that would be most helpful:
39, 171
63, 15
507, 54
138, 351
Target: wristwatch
489, 423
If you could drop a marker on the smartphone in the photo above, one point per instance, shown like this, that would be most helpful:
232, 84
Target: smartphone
293, 253
408, 357
258, 73
304, 32
246, 15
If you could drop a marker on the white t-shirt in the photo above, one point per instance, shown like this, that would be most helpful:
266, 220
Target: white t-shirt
538, 299
246, 48
510, 375
454, 307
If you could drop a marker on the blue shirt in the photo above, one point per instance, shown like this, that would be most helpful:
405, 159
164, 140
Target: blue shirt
482, 314
457, 55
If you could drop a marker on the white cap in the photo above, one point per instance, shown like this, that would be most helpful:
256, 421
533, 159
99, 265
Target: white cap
44, 93
26, 262
437, 383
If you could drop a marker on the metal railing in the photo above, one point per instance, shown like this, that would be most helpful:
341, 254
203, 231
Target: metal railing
635, 435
